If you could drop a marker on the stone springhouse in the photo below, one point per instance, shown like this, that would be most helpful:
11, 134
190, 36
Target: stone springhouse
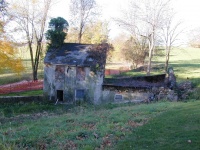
75, 72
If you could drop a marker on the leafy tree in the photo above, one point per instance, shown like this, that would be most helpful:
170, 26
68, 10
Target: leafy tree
118, 44
57, 31
96, 33
135, 51
8, 59
72, 35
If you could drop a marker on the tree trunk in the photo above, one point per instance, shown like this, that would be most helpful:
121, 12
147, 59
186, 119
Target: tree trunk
79, 37
35, 62
80, 33
35, 75
151, 48
149, 62
167, 59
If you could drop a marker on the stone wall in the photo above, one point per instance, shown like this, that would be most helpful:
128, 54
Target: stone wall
91, 84
181, 92
129, 95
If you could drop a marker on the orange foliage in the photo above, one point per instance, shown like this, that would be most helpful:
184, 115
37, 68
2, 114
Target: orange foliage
8, 59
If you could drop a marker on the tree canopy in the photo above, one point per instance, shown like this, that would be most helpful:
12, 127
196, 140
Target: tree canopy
8, 59
57, 32
135, 51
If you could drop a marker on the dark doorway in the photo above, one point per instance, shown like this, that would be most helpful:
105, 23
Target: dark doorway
60, 95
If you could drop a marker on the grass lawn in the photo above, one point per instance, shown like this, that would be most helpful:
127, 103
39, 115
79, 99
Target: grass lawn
186, 64
27, 93
162, 125
174, 129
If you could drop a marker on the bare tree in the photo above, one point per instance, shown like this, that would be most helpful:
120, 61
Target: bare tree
31, 17
82, 13
194, 38
170, 32
143, 19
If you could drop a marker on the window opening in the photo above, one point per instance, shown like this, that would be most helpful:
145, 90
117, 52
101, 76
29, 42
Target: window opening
80, 73
60, 72
79, 94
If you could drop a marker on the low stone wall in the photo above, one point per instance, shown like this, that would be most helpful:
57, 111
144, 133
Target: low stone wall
24, 99
181, 92
126, 95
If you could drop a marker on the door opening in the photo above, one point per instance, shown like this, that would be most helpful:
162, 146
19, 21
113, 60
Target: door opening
60, 95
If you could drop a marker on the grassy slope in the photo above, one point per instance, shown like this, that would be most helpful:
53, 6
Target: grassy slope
162, 125
186, 63
175, 129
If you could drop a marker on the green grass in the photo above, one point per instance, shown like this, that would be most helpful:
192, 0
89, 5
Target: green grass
175, 129
162, 125
27, 93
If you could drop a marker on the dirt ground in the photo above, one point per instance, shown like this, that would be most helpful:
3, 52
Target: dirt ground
21, 86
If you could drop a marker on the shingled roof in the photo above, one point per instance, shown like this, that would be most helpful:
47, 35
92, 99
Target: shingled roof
136, 82
75, 54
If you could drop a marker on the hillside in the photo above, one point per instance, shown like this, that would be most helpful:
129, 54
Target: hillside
162, 125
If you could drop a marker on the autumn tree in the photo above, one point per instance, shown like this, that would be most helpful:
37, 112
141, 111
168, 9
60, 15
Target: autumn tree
72, 35
135, 51
8, 59
3, 6
3, 15
118, 44
83, 12
96, 33
57, 32
31, 17
143, 19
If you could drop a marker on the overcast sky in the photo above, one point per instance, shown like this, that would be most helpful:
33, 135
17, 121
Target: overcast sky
187, 10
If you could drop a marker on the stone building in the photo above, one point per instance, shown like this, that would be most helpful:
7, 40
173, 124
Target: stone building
75, 72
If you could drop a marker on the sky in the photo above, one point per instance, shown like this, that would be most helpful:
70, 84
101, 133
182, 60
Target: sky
188, 11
